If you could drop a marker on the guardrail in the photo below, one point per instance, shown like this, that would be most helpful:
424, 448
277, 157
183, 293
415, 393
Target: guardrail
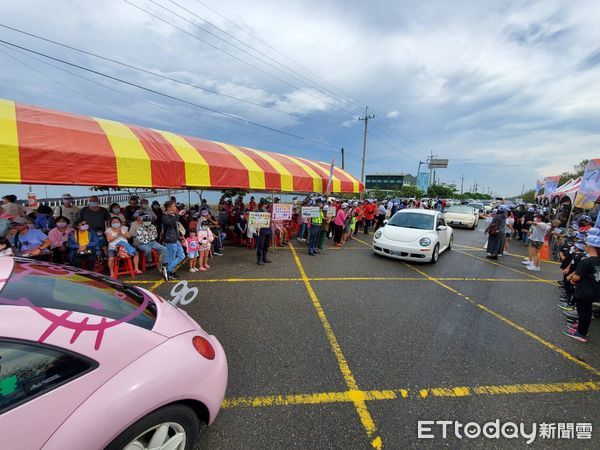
105, 199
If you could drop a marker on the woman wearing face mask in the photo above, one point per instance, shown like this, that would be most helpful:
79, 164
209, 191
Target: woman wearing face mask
117, 236
83, 245
116, 211
59, 235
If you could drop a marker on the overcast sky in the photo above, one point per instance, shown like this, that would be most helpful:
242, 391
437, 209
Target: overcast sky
507, 91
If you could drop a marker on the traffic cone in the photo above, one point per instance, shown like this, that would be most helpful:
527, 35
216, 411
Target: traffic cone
545, 251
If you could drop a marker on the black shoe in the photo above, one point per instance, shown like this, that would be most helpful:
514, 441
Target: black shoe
267, 261
311, 254
260, 263
173, 276
491, 257
165, 273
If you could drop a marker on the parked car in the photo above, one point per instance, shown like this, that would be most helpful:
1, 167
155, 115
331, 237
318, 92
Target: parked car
414, 235
462, 216
90, 363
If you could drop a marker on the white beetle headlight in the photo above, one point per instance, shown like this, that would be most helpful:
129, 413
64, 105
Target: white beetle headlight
424, 242
378, 234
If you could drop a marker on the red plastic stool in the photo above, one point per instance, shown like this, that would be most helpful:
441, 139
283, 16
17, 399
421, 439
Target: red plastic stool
125, 268
250, 243
155, 260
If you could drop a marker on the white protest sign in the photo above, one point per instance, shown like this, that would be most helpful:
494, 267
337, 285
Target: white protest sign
282, 211
308, 212
257, 220
331, 211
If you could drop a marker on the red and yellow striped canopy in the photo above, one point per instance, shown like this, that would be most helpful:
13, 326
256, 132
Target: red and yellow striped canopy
41, 146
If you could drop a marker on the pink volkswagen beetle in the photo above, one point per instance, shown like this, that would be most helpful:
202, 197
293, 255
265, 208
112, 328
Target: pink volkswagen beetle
89, 363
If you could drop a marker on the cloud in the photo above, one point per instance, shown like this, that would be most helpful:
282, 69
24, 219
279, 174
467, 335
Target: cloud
505, 90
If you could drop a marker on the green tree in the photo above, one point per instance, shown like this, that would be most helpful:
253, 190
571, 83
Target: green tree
529, 196
230, 193
442, 191
408, 192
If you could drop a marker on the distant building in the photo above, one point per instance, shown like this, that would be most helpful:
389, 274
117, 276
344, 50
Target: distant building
384, 182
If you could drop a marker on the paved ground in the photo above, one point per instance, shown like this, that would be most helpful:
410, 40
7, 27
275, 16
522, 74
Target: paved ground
350, 350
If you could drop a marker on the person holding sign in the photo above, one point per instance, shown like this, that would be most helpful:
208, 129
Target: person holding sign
315, 229
260, 224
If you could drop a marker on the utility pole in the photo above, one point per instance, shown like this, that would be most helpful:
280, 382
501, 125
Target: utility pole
366, 119
462, 180
429, 158
342, 158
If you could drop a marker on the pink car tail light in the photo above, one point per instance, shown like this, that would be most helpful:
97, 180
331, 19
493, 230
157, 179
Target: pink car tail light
204, 347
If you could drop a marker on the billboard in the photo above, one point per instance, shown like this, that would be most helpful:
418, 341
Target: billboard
438, 164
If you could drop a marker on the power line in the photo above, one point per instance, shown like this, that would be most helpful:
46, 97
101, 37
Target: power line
156, 105
154, 91
217, 48
290, 72
166, 77
277, 51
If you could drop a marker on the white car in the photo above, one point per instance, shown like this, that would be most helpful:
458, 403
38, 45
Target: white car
414, 235
462, 215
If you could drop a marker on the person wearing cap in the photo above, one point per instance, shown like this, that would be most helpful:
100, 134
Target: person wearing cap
145, 237
586, 280
528, 216
26, 240
172, 238
369, 214
496, 233
576, 253
381, 213
585, 223
262, 237
315, 229
536, 239
67, 209
339, 222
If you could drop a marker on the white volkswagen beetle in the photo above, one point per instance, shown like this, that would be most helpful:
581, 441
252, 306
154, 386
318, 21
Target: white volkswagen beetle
414, 235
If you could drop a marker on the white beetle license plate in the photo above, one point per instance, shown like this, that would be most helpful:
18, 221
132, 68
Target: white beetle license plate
394, 253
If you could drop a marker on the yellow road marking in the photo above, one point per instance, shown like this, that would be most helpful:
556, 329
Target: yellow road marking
358, 400
499, 316
507, 268
506, 254
393, 394
268, 280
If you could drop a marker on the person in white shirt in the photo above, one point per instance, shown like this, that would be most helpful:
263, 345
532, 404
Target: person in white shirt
66, 209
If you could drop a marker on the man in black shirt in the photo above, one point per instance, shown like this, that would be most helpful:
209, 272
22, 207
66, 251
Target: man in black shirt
586, 279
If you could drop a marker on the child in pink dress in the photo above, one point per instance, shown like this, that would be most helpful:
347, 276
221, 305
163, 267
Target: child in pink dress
205, 236
192, 246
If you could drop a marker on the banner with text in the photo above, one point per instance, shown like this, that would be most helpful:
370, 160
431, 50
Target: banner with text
589, 190
308, 212
259, 220
282, 211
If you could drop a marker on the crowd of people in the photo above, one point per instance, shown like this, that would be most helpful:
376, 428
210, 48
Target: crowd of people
575, 244
94, 237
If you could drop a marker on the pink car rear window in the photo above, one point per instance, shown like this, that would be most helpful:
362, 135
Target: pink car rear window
38, 284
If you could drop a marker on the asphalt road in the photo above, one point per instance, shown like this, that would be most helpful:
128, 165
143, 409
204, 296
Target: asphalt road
351, 350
